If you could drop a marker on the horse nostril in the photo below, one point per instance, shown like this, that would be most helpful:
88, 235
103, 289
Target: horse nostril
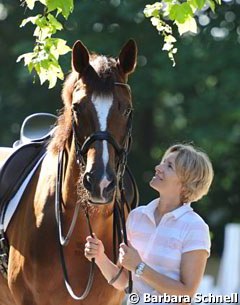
110, 186
87, 182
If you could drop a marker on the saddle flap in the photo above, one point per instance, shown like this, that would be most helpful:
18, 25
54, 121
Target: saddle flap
16, 168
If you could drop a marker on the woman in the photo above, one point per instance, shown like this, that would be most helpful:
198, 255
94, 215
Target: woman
169, 243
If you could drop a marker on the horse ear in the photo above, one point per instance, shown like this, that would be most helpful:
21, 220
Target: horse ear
128, 57
80, 57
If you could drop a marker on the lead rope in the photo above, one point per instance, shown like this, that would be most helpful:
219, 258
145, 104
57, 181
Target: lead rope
120, 211
58, 211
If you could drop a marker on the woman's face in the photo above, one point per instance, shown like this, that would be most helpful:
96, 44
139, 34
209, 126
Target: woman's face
165, 180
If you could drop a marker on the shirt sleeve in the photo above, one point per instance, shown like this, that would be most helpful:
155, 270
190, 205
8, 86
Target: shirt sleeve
197, 238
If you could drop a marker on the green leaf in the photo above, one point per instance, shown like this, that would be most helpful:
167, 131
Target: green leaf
33, 20
54, 72
152, 10
30, 67
42, 33
189, 25
52, 80
37, 67
171, 57
212, 5
155, 21
197, 4
46, 26
27, 57
43, 75
200, 3
30, 3
61, 47
54, 22
180, 12
41, 21
40, 55
170, 39
62, 6
45, 64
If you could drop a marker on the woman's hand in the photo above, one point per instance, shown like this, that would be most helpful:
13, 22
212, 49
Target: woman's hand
94, 248
128, 256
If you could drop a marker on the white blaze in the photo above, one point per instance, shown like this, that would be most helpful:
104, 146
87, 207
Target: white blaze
102, 105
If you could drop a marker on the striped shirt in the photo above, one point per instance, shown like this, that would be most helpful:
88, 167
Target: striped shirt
162, 246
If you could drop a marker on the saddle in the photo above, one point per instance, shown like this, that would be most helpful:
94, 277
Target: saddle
17, 170
35, 133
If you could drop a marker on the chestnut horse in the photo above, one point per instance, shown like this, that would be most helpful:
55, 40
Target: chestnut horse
94, 130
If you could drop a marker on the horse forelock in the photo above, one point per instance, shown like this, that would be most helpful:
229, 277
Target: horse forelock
103, 65
101, 74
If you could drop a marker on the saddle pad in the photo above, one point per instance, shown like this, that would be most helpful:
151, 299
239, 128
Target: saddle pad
17, 167
14, 202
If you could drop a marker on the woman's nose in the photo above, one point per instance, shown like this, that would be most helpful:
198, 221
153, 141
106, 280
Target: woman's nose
158, 167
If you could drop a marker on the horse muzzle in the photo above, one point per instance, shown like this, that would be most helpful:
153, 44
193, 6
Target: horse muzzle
100, 191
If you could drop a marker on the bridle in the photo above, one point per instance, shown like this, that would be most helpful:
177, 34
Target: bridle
82, 149
119, 227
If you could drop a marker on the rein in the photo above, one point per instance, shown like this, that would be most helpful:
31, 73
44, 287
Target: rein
119, 224
63, 241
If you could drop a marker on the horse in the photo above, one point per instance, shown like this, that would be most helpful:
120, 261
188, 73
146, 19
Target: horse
92, 137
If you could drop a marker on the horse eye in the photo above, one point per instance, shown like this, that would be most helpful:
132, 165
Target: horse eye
76, 108
127, 112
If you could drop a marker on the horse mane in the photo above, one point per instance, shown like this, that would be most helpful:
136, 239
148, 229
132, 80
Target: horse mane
100, 77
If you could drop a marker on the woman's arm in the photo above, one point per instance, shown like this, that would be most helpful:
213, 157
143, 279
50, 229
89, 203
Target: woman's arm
94, 249
192, 267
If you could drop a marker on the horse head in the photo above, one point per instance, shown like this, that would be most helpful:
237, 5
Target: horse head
101, 110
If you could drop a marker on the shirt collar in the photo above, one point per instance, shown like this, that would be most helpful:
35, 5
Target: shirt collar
177, 213
150, 209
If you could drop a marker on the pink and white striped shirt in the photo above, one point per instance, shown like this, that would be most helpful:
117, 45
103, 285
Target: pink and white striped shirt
162, 246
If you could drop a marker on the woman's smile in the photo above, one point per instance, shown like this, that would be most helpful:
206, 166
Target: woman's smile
157, 176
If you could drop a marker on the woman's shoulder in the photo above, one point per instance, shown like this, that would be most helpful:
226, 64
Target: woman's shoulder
135, 217
194, 220
196, 233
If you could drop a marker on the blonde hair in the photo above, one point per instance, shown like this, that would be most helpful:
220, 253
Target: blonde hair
194, 170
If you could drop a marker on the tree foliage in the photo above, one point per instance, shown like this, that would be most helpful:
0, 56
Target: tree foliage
45, 55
